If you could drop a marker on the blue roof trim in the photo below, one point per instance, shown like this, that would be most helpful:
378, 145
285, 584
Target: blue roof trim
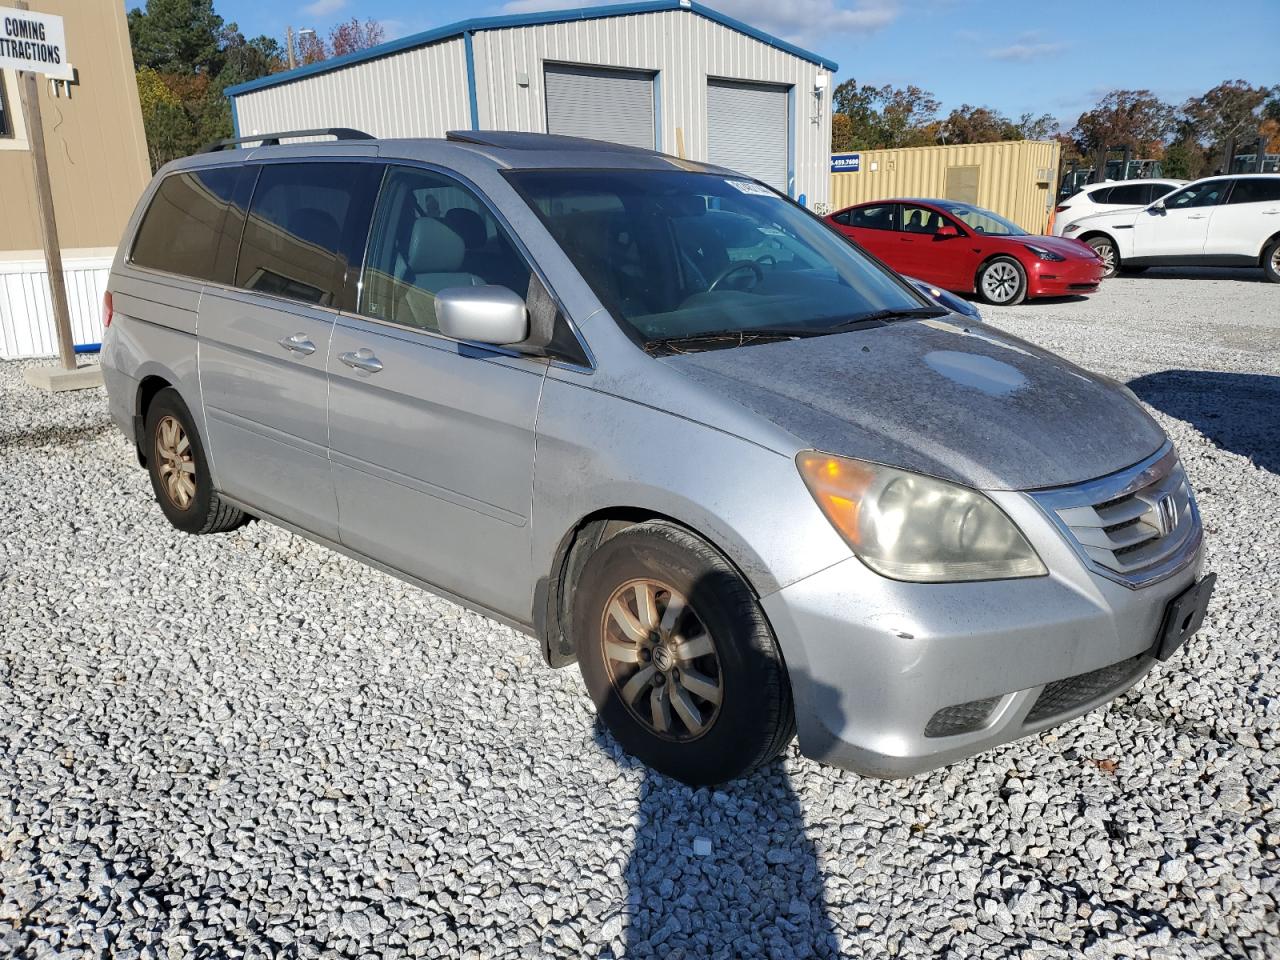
477, 24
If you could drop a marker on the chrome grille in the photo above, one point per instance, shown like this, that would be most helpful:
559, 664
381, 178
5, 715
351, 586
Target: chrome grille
1135, 526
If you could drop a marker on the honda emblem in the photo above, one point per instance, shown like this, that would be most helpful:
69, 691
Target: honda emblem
1166, 514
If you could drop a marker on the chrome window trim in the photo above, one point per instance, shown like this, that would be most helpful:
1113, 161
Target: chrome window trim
1125, 483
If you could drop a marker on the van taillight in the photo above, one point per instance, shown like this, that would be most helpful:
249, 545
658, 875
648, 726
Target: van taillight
106, 310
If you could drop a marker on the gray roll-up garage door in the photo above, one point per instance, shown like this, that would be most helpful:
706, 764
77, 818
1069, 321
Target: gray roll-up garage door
749, 129
614, 105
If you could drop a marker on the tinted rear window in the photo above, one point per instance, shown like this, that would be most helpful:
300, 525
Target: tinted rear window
181, 229
306, 231
1132, 194
1261, 190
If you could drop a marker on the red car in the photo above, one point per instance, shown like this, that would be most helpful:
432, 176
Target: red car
966, 249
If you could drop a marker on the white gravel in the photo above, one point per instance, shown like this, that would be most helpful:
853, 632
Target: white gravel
245, 745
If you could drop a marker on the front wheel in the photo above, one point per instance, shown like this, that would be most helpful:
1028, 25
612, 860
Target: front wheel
1106, 250
1271, 261
678, 657
1002, 282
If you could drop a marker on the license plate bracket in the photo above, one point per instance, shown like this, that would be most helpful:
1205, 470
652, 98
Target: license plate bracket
1183, 617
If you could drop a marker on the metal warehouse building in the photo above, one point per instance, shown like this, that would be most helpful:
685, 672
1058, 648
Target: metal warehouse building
666, 74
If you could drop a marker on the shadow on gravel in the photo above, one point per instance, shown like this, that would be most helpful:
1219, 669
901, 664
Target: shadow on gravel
725, 872
758, 892
1244, 274
1238, 412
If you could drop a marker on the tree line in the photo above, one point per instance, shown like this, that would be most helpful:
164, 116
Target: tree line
1190, 139
186, 56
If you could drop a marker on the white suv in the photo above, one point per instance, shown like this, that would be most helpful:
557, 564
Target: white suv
1216, 222
1109, 197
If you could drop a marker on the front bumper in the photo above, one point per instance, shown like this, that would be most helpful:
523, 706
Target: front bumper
872, 661
1065, 278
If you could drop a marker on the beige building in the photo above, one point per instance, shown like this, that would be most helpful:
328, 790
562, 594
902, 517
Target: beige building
1014, 178
98, 166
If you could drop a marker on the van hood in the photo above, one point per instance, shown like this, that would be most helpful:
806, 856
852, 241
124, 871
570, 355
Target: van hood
954, 399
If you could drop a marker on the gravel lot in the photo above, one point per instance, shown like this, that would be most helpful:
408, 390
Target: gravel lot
245, 745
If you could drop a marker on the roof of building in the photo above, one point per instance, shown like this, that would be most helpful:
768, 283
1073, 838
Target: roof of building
478, 24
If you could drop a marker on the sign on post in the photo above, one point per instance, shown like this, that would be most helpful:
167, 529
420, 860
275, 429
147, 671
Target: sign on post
33, 44
846, 162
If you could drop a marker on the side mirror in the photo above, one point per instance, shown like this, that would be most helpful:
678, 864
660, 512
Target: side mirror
946, 232
482, 315
1158, 206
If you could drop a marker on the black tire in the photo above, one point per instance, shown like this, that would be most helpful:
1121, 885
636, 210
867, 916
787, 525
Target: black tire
1002, 282
202, 511
1104, 248
754, 719
1271, 261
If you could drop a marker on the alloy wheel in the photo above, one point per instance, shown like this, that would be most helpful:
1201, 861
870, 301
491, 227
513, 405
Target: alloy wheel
176, 466
1000, 281
661, 659
1108, 254
1275, 260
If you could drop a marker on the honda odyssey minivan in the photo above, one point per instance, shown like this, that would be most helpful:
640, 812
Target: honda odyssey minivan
661, 418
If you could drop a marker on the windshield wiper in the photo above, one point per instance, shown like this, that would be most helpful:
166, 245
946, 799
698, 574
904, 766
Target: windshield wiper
888, 316
718, 339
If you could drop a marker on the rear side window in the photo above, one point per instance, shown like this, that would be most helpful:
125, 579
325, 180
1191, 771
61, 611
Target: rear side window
873, 218
181, 230
306, 229
1100, 196
1131, 194
1260, 190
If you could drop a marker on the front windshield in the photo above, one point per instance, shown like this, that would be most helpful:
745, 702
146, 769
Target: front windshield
674, 254
983, 221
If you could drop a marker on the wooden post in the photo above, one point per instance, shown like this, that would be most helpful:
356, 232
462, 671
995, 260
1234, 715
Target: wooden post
30, 90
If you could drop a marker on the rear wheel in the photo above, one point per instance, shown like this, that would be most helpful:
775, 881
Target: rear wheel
1271, 261
1002, 282
180, 471
1105, 249
678, 657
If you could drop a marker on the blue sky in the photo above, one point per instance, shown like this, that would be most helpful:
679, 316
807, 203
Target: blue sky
1018, 57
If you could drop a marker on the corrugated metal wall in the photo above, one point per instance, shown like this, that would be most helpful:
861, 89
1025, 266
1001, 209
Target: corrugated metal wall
1009, 177
423, 92
416, 93
683, 49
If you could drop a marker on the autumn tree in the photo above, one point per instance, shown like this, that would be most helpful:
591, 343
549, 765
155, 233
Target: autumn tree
882, 116
1134, 118
186, 56
353, 35
1231, 111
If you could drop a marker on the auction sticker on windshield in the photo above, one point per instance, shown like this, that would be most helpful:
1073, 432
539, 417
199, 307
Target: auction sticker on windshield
746, 186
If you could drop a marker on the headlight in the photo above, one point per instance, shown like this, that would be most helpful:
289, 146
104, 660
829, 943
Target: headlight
1044, 254
911, 527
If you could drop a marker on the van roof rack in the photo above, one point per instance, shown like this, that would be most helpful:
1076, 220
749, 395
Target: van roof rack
273, 139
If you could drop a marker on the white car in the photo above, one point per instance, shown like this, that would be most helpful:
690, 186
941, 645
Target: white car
1109, 197
1215, 222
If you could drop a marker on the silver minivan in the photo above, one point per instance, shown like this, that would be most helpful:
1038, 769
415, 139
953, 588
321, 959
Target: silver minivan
664, 420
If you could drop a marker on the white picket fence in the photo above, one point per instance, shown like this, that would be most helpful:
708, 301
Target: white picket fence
26, 316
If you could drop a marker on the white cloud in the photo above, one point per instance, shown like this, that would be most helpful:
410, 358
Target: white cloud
806, 22
323, 8
1029, 46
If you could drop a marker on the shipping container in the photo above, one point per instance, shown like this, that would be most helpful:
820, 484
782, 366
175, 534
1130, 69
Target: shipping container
1013, 178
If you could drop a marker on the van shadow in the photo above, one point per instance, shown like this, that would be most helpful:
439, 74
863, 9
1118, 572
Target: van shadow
725, 872
1237, 411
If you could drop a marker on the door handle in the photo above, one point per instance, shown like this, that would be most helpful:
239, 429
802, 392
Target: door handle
1196, 216
362, 359
298, 343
